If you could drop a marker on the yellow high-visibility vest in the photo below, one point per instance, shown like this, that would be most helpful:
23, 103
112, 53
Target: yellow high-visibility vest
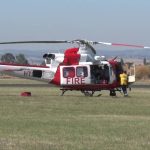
123, 79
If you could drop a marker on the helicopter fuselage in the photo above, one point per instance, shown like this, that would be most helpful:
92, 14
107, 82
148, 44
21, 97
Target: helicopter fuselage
75, 69
70, 70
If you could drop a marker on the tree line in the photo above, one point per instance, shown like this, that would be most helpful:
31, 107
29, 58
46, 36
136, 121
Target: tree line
10, 58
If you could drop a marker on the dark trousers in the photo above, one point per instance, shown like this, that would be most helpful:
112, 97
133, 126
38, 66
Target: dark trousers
124, 89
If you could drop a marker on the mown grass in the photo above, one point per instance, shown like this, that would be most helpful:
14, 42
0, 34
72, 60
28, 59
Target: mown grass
73, 122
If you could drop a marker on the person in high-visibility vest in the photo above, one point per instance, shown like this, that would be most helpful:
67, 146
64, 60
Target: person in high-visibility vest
124, 82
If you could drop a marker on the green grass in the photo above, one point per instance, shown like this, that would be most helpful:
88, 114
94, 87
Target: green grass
73, 122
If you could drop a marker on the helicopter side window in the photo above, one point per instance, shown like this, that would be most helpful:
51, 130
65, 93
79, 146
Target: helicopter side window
81, 72
68, 72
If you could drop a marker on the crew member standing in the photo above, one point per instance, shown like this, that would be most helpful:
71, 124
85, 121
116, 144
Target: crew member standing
124, 82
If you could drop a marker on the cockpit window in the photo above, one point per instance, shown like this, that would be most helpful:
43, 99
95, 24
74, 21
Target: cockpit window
68, 72
81, 72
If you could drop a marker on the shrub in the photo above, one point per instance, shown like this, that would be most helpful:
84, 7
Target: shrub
142, 72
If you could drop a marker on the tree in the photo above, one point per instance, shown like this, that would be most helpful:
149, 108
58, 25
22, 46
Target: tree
144, 61
8, 58
142, 72
20, 59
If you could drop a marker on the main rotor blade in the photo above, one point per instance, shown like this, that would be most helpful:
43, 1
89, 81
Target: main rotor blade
27, 42
89, 43
120, 44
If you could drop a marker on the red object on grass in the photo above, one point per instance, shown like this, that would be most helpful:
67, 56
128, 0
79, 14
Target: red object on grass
26, 94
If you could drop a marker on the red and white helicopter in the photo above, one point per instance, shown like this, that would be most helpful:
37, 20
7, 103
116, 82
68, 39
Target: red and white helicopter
75, 69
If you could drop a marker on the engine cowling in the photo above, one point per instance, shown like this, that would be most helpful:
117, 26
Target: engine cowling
49, 56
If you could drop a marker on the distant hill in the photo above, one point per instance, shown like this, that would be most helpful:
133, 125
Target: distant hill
36, 56
136, 53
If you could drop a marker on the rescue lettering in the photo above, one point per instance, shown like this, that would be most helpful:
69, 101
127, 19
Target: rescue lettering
75, 80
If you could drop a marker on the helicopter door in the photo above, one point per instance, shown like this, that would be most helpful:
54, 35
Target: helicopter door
113, 74
131, 74
76, 75
100, 74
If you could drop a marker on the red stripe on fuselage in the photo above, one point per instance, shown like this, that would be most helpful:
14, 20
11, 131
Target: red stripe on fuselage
92, 87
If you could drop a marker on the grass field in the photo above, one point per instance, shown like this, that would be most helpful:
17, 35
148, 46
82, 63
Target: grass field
47, 121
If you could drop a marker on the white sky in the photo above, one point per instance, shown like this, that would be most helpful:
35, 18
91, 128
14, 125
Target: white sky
122, 21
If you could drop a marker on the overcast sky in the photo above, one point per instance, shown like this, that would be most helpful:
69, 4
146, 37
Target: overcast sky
123, 21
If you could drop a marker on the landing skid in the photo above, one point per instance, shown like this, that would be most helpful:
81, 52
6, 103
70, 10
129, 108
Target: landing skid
90, 93
85, 92
63, 92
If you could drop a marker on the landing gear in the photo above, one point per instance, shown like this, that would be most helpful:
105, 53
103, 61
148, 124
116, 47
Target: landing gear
63, 91
88, 93
112, 93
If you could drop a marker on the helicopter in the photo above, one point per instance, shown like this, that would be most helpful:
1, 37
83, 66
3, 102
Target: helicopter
78, 68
